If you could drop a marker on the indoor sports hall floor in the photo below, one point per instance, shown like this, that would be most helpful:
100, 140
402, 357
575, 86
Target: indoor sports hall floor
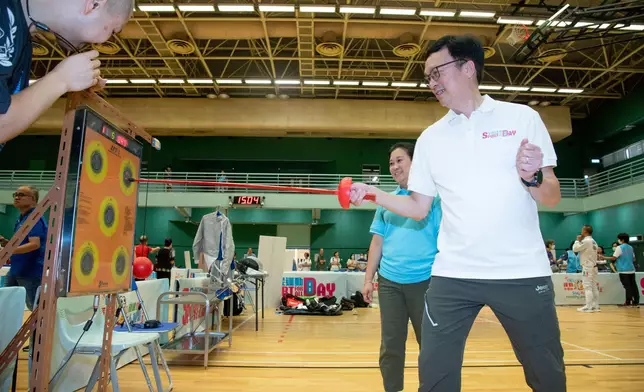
604, 351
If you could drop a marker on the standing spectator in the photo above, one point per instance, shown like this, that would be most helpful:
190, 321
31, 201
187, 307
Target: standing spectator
142, 249
221, 178
167, 174
305, 264
335, 262
28, 259
320, 261
587, 249
572, 260
165, 260
250, 253
624, 258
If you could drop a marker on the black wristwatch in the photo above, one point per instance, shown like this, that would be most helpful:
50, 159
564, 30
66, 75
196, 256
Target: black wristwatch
536, 180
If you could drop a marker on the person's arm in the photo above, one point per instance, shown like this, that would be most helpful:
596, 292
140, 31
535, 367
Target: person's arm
373, 260
75, 73
33, 244
420, 182
616, 254
540, 154
579, 246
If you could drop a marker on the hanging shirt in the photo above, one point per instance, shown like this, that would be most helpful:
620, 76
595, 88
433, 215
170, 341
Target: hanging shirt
214, 239
15, 53
625, 263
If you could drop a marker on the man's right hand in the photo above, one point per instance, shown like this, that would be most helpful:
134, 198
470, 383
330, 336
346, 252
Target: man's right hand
79, 72
359, 191
367, 292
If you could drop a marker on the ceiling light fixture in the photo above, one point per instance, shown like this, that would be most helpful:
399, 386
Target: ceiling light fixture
143, 81
276, 8
200, 81
516, 88
634, 27
515, 21
570, 90
437, 12
258, 81
287, 81
319, 9
196, 7
346, 82
375, 84
543, 89
229, 81
235, 8
403, 84
490, 87
476, 14
171, 81
357, 10
117, 81
397, 11
156, 8
317, 82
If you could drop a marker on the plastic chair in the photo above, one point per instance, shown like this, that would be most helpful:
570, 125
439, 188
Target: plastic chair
91, 344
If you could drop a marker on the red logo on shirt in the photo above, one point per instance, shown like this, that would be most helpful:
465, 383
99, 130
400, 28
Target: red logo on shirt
495, 134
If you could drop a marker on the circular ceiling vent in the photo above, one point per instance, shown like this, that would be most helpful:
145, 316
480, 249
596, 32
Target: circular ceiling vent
551, 55
107, 48
180, 46
39, 50
329, 49
409, 49
488, 51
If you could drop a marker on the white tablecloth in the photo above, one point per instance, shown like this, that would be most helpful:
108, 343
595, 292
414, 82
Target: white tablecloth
569, 289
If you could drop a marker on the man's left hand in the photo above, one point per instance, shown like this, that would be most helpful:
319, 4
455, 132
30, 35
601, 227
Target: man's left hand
529, 160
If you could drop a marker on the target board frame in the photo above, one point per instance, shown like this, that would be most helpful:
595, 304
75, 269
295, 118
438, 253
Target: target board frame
100, 208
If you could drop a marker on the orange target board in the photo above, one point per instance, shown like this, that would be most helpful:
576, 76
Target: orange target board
105, 209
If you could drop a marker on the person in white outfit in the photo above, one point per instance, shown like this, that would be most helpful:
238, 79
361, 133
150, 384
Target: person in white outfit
305, 264
587, 248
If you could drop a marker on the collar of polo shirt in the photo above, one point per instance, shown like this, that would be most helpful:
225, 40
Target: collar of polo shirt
488, 105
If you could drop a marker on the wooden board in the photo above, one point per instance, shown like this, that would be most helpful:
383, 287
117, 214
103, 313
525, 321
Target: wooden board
604, 351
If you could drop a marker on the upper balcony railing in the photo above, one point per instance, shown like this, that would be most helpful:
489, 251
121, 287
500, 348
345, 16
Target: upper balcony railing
625, 175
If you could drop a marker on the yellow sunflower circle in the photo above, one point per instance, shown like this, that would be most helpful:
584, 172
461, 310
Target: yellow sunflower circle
95, 162
86, 263
120, 264
127, 171
108, 216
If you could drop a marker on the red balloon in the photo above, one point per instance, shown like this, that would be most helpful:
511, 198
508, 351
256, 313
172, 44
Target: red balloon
142, 267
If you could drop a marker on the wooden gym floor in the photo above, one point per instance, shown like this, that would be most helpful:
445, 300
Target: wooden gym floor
604, 351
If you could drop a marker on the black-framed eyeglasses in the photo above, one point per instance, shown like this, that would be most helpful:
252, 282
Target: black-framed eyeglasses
20, 194
435, 74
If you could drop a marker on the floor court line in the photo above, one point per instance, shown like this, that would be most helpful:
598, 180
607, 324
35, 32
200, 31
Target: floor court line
342, 353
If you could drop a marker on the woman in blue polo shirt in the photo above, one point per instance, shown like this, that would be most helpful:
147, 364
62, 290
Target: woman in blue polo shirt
402, 251
624, 258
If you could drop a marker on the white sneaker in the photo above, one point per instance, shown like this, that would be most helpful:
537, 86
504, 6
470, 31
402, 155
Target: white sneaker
596, 309
585, 309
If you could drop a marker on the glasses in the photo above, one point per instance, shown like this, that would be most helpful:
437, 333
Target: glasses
20, 194
435, 74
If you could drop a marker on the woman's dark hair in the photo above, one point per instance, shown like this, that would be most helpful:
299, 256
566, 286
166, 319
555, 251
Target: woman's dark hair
143, 238
549, 242
624, 237
614, 244
408, 147
168, 242
306, 254
571, 244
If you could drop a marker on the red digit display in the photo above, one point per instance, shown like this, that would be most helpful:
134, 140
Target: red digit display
247, 200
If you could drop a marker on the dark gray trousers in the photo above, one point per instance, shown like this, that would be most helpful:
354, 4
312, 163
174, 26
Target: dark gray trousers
525, 308
399, 303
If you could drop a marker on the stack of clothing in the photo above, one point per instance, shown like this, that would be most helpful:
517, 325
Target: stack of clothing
314, 306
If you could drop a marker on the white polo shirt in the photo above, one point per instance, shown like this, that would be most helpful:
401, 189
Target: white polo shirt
490, 226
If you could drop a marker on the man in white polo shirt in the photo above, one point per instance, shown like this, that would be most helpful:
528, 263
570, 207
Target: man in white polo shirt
490, 162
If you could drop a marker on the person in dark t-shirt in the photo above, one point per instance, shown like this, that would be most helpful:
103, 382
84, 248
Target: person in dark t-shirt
165, 260
73, 23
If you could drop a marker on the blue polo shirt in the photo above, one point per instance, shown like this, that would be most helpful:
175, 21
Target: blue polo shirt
409, 247
30, 265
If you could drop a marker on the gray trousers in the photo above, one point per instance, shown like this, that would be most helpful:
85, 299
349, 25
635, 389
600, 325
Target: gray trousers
399, 303
525, 308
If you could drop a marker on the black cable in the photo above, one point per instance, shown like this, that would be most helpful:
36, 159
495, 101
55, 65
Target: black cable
86, 328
